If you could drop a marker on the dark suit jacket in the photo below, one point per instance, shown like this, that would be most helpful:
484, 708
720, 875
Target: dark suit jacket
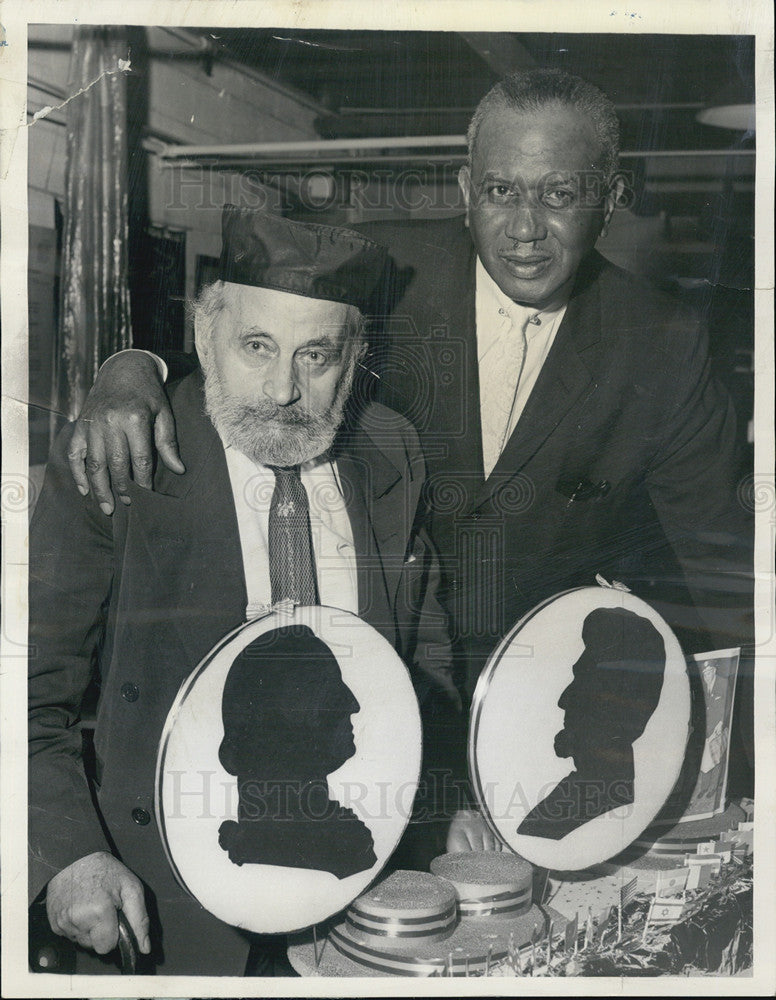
152, 589
625, 405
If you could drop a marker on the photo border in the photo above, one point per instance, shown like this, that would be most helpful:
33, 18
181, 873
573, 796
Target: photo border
653, 16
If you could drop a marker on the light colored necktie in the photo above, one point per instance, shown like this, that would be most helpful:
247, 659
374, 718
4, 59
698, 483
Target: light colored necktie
502, 369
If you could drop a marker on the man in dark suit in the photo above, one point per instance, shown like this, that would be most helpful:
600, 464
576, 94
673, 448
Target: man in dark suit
567, 410
151, 590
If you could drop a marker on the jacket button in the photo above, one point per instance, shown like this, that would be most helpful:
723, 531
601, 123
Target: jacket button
130, 692
475, 516
141, 816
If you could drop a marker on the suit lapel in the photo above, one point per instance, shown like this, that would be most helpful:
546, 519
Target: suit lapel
368, 478
434, 383
565, 376
457, 385
189, 525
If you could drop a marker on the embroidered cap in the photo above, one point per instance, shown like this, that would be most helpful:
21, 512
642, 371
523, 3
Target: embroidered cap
304, 258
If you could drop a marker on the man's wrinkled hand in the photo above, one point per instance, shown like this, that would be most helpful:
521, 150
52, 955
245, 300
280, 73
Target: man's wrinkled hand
469, 832
83, 899
125, 415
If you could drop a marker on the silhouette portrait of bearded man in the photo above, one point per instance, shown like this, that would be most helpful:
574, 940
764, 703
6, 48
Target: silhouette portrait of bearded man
616, 688
287, 725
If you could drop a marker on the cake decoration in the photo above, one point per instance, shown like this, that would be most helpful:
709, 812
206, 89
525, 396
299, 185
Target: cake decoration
407, 907
415, 905
487, 883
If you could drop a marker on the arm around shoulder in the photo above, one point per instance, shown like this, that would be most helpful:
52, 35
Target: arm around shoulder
125, 418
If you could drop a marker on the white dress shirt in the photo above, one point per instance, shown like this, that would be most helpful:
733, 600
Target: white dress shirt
335, 555
502, 363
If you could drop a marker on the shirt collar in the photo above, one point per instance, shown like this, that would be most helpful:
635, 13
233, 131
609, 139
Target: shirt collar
492, 297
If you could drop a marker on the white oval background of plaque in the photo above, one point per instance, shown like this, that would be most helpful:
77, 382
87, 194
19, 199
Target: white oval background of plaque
378, 783
515, 716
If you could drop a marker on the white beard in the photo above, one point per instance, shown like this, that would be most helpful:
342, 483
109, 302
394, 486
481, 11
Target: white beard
275, 435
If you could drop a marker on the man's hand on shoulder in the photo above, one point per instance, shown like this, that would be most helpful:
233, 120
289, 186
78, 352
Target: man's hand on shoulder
124, 416
83, 899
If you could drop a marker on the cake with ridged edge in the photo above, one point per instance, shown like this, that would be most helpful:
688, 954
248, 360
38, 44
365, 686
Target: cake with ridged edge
477, 942
407, 908
487, 883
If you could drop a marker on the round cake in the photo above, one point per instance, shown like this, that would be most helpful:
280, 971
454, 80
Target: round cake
487, 883
406, 909
407, 925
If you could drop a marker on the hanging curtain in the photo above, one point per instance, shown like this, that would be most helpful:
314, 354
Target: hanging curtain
94, 316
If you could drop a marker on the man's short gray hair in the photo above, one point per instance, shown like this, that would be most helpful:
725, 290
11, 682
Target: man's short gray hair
208, 302
534, 89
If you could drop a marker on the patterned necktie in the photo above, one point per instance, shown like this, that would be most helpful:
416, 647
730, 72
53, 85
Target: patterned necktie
291, 557
500, 372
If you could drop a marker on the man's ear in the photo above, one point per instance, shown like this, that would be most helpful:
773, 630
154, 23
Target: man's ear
465, 184
614, 197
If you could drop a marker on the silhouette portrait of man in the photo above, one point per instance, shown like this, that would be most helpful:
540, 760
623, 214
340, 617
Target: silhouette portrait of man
287, 725
616, 688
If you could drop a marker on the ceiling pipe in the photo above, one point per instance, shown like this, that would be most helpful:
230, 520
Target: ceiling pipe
311, 146
266, 151
469, 109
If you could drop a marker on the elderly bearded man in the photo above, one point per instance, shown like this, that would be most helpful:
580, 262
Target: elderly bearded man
150, 591
568, 413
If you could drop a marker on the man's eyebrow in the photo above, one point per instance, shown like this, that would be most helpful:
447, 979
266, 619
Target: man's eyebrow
551, 177
254, 331
491, 175
324, 340
561, 177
